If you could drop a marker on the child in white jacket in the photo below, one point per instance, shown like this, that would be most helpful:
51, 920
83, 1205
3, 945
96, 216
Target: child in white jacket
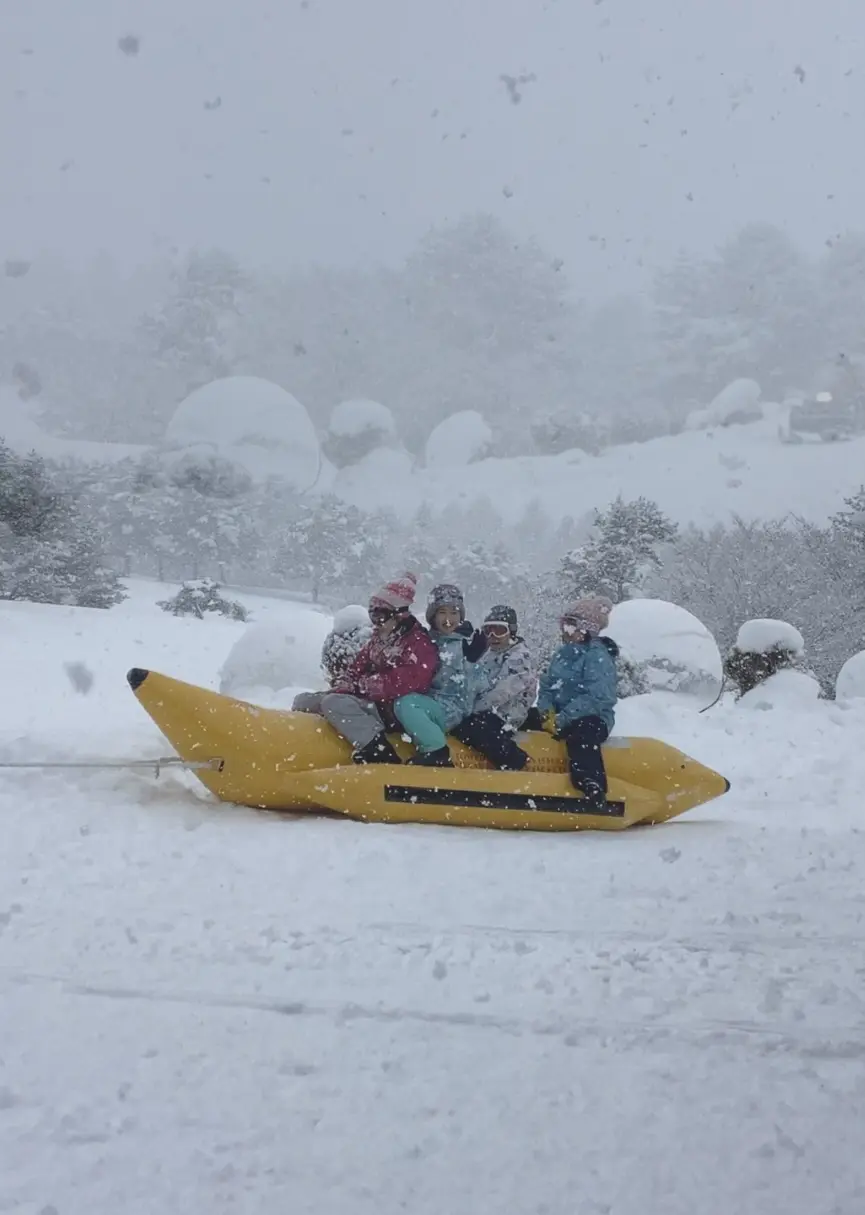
512, 683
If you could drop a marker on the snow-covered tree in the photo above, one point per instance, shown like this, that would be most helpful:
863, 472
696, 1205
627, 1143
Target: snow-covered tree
486, 573
621, 553
199, 597
850, 523
49, 552
331, 546
747, 312
29, 500
193, 333
782, 569
841, 290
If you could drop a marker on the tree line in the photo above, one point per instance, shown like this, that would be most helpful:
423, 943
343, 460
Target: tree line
67, 533
473, 319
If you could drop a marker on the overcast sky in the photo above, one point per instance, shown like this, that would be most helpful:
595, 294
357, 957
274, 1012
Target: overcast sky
339, 130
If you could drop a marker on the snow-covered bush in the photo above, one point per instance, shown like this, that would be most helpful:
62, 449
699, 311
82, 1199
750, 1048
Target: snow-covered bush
251, 422
664, 648
850, 684
763, 648
738, 402
351, 631
463, 438
357, 428
200, 596
273, 655
768, 569
209, 474
786, 689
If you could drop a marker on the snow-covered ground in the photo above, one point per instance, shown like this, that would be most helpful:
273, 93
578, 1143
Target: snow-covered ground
700, 477
207, 1009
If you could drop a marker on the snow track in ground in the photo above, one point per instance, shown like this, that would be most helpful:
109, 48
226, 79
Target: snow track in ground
205, 1008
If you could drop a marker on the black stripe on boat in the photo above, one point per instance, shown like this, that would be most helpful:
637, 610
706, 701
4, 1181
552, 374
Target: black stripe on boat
477, 799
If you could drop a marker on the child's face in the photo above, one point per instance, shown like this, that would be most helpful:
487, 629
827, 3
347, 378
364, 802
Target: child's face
572, 632
446, 620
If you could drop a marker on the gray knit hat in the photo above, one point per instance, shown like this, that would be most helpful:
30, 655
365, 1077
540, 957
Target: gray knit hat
445, 595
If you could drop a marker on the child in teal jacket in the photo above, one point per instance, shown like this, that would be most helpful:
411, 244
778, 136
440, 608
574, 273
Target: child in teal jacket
458, 679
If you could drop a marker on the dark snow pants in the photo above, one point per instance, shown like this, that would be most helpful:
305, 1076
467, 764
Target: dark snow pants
583, 739
494, 738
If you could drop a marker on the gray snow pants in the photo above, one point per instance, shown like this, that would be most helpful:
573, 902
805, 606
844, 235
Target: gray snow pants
355, 719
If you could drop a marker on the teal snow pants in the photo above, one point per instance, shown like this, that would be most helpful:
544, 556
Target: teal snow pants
423, 719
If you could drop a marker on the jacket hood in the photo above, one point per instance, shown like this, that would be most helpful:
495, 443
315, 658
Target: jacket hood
611, 645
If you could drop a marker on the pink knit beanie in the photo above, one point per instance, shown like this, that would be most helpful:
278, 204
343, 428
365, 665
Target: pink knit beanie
398, 594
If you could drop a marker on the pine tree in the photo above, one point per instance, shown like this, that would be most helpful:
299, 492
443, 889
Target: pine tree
49, 552
850, 522
485, 573
29, 500
330, 545
619, 556
200, 596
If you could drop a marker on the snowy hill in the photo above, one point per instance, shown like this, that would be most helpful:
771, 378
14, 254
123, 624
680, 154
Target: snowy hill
218, 1010
698, 476
23, 434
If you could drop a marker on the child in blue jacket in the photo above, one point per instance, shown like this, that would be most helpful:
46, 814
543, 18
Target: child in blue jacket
578, 694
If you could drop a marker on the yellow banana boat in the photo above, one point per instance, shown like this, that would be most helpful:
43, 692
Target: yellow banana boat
277, 760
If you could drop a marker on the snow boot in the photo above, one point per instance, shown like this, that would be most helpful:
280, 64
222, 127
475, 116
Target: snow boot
379, 751
433, 759
594, 795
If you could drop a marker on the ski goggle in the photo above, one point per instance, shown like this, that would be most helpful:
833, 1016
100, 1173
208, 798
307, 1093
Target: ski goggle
380, 615
569, 625
494, 628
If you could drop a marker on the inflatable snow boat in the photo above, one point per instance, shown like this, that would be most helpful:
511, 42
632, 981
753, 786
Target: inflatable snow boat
275, 760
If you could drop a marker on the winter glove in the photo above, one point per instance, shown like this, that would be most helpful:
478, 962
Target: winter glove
477, 647
549, 722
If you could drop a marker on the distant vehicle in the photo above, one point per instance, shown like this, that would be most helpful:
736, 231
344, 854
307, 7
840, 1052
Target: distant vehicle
834, 413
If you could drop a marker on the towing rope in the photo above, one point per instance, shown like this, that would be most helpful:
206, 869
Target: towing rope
169, 761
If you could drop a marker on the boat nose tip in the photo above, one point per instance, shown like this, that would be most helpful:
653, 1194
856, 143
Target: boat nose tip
136, 677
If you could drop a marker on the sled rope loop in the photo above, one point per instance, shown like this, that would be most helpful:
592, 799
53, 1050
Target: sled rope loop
155, 765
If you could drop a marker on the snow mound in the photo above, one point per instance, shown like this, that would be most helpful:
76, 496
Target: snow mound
762, 635
786, 690
352, 418
252, 422
850, 684
739, 401
273, 655
382, 466
671, 649
463, 438
352, 616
